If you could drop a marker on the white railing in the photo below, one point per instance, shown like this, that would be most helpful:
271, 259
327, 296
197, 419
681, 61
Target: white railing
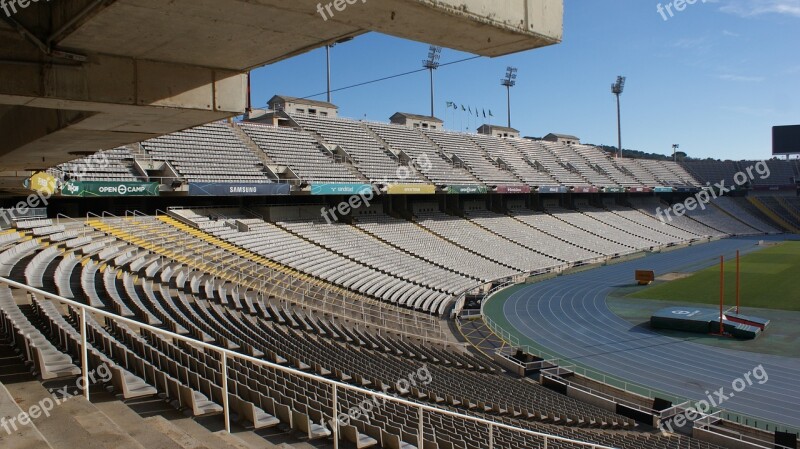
336, 386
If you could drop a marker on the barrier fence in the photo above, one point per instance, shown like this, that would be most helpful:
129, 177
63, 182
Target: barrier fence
336, 386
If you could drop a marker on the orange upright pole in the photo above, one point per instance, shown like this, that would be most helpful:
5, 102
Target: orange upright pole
721, 292
737, 281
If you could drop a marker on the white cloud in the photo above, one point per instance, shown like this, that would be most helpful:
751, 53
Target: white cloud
741, 78
751, 8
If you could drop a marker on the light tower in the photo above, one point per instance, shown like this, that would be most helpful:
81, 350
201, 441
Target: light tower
509, 81
432, 63
617, 89
675, 147
328, 60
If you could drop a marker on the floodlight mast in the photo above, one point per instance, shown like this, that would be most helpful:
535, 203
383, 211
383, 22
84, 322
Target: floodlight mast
509, 81
328, 61
432, 63
617, 89
675, 147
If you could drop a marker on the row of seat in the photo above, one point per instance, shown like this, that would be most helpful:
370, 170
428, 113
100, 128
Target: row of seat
191, 378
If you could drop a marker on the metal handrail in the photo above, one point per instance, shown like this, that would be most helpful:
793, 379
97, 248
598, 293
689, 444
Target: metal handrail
225, 354
244, 276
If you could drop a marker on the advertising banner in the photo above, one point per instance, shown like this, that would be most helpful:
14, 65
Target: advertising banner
466, 189
340, 189
513, 189
411, 189
228, 189
552, 189
108, 188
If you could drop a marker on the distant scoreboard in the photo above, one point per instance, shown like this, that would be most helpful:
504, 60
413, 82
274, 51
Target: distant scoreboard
786, 139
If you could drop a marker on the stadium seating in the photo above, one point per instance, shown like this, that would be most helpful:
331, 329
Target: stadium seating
279, 243
500, 150
208, 154
775, 211
112, 165
356, 245
371, 159
781, 173
655, 208
716, 218
441, 170
559, 225
640, 173
461, 147
646, 222
668, 173
541, 157
299, 151
569, 157
624, 230
479, 240
712, 171
144, 363
598, 159
408, 237
745, 211
531, 238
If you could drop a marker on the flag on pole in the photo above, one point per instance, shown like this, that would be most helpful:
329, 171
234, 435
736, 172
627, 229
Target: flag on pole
470, 109
484, 113
463, 108
490, 113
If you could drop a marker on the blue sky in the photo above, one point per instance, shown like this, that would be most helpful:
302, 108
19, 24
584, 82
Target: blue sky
714, 78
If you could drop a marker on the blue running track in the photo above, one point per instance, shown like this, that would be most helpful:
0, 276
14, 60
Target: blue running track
568, 316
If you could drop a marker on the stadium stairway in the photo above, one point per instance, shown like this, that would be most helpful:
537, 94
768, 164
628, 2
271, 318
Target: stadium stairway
349, 165
789, 208
253, 147
391, 153
786, 226
104, 423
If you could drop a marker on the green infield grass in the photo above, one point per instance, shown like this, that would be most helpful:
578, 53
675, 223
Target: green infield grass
770, 279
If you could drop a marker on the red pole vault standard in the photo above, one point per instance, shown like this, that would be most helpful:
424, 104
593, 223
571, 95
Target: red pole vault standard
721, 292
737, 282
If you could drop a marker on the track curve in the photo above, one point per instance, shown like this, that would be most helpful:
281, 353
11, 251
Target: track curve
568, 315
